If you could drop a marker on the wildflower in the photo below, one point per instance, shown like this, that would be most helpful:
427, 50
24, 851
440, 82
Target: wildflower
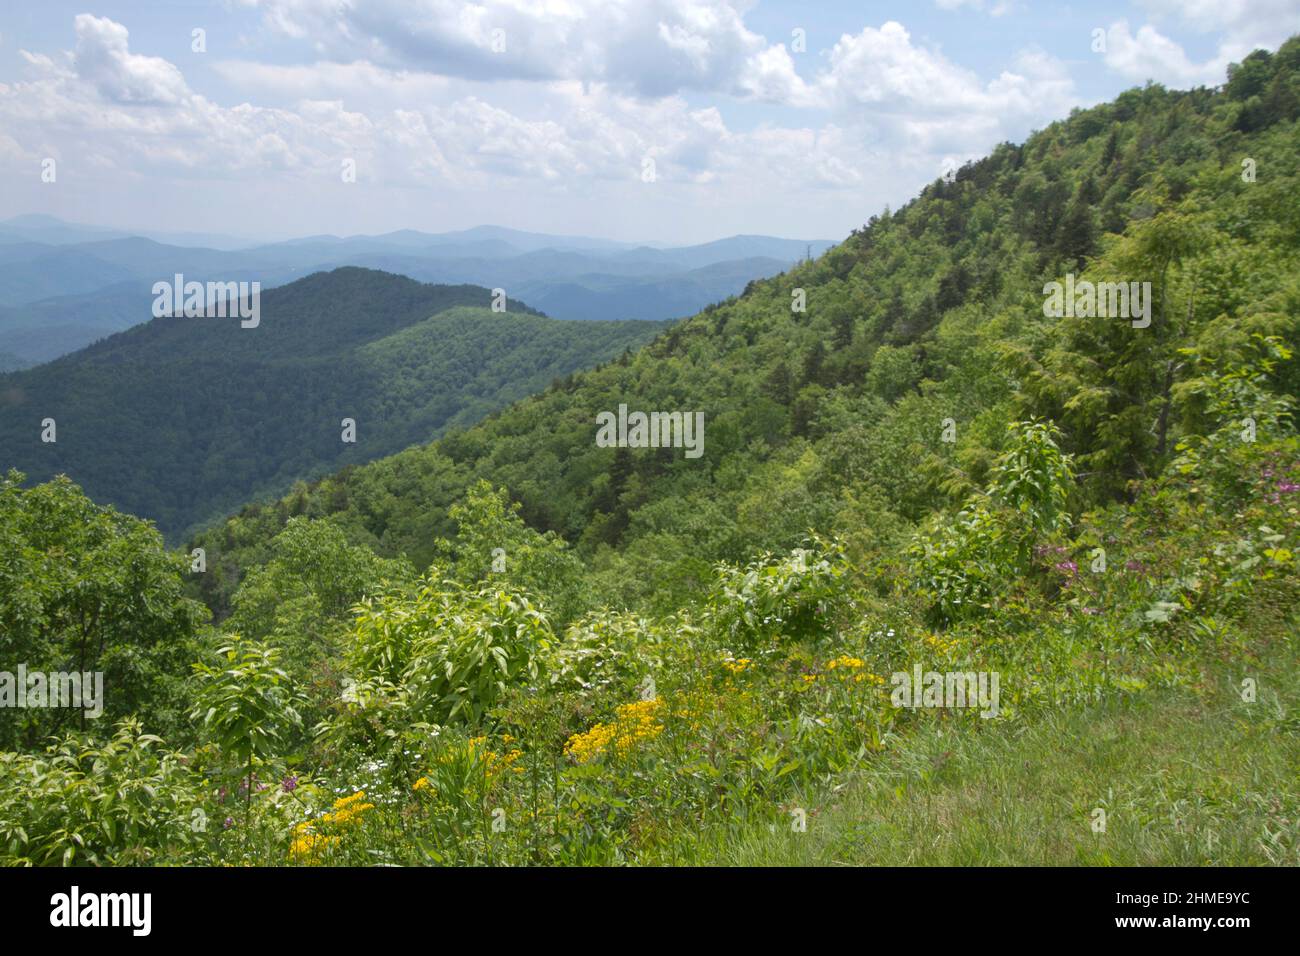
228, 822
632, 723
737, 665
348, 810
289, 784
496, 763
307, 843
939, 644
308, 838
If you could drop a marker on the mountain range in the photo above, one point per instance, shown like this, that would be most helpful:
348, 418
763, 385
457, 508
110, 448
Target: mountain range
63, 286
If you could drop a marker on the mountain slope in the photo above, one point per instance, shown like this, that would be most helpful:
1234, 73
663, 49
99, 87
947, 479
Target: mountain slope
932, 317
180, 419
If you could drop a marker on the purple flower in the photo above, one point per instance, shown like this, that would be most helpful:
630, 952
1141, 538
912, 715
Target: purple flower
289, 784
228, 822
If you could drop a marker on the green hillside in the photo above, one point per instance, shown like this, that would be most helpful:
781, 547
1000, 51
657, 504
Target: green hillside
832, 418
182, 419
948, 572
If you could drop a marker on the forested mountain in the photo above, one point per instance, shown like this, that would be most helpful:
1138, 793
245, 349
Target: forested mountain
531, 642
181, 419
63, 287
829, 418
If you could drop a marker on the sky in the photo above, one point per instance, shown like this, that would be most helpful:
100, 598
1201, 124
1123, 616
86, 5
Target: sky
640, 120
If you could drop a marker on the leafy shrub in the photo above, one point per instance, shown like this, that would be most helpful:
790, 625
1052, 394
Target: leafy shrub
774, 599
122, 801
968, 560
438, 653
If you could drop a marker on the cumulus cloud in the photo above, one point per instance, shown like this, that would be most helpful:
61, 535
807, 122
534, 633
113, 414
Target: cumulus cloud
1242, 26
136, 114
102, 58
874, 118
934, 103
1149, 55
645, 47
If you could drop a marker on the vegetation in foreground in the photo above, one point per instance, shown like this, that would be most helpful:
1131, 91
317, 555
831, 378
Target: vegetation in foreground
1187, 776
456, 725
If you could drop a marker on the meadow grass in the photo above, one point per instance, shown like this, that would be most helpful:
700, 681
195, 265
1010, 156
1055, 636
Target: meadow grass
1186, 776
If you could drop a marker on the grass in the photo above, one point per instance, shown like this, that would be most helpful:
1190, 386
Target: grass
1191, 776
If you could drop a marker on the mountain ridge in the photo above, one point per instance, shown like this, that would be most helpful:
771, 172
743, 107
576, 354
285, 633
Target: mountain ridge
180, 418
62, 287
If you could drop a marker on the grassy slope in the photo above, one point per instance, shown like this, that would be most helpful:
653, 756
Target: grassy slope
1187, 776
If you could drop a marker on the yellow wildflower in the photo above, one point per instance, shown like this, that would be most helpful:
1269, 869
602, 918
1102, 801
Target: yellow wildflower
308, 839
308, 845
499, 762
632, 723
939, 644
348, 809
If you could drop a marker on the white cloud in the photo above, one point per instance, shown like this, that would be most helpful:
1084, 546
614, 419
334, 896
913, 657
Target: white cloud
880, 76
1242, 26
646, 47
1247, 23
882, 113
135, 114
102, 58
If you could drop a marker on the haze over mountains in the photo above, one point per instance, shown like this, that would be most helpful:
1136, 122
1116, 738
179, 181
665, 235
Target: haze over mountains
63, 285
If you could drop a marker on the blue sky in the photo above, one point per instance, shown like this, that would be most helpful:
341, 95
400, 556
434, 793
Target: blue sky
668, 120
